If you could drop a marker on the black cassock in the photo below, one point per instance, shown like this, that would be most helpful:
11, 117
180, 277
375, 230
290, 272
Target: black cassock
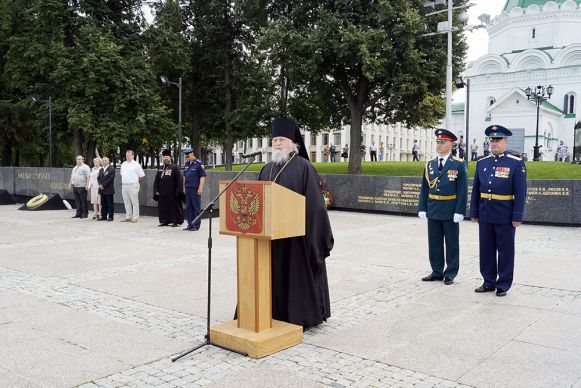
170, 186
300, 291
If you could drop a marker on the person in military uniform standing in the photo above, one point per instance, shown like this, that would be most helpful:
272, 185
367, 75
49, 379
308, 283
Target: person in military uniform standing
443, 198
497, 204
194, 179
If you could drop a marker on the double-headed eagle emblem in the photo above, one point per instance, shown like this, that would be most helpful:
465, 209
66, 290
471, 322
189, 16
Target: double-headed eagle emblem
244, 205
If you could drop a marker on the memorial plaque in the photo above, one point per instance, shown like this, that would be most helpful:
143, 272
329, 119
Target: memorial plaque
548, 201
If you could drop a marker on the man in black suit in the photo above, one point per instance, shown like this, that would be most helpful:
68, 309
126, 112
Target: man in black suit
106, 189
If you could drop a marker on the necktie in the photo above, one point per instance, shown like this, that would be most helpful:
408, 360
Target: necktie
440, 166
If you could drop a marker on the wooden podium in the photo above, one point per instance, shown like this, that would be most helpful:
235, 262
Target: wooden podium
256, 213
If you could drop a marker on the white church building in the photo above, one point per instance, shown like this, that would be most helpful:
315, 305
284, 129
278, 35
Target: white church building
531, 43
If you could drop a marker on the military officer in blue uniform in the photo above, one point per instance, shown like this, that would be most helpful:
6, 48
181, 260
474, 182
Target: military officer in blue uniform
443, 198
194, 179
498, 203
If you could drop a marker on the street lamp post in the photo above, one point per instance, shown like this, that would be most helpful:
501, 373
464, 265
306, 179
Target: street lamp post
40, 102
167, 83
538, 95
575, 158
460, 84
437, 6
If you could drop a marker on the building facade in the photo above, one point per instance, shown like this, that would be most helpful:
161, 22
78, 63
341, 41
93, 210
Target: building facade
398, 141
532, 42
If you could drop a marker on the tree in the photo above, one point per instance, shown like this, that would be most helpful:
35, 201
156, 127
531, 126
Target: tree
232, 88
367, 58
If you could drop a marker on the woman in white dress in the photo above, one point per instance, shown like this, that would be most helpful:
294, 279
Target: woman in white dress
94, 189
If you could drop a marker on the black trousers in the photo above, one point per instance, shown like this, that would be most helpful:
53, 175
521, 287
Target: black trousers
373, 155
474, 156
416, 158
107, 206
81, 201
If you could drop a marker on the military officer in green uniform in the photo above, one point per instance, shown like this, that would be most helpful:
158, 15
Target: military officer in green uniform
442, 201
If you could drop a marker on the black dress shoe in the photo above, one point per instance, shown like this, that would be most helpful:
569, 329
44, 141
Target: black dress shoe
448, 281
188, 227
83, 216
174, 225
110, 219
500, 292
193, 229
431, 278
101, 219
483, 288
76, 217
164, 224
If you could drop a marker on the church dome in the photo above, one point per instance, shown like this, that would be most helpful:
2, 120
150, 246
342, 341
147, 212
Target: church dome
510, 4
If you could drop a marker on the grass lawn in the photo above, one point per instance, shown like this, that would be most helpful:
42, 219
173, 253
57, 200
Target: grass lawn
535, 170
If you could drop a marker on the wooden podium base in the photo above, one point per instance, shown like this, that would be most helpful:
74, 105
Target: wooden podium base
282, 335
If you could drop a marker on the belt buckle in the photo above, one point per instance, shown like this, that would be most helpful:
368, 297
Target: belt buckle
437, 197
489, 196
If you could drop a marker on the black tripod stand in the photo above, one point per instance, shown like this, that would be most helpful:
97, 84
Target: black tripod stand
208, 209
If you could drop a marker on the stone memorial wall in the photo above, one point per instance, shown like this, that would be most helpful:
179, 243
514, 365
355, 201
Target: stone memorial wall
548, 201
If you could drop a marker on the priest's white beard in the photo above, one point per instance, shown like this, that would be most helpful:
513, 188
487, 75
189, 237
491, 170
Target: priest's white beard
283, 156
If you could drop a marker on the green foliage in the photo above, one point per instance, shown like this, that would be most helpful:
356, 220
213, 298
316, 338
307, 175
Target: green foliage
365, 57
242, 63
535, 170
89, 57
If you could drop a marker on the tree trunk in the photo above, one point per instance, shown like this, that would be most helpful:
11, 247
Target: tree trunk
90, 153
229, 144
283, 83
354, 167
78, 141
195, 134
7, 153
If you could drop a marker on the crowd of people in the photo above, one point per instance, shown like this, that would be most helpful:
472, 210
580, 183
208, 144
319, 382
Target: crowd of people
170, 188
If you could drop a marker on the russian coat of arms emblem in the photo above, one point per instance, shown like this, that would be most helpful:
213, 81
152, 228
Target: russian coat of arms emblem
244, 209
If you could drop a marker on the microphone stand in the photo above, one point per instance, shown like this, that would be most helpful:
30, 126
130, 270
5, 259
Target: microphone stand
208, 209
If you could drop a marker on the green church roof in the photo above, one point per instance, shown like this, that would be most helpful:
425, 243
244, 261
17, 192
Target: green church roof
510, 4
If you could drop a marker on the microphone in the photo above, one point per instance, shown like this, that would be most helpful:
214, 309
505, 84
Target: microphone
252, 155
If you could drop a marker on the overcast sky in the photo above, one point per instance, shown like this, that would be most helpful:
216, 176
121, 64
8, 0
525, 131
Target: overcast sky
478, 39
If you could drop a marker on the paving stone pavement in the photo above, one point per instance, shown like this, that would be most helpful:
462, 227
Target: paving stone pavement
82, 283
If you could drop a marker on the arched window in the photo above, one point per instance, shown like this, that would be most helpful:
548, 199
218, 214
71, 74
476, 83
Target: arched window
570, 103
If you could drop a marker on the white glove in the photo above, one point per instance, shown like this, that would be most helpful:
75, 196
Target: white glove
422, 215
458, 217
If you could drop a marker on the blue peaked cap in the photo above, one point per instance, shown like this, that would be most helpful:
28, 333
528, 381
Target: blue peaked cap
497, 131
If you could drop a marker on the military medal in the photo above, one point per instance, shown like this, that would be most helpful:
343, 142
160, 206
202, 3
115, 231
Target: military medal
452, 175
502, 172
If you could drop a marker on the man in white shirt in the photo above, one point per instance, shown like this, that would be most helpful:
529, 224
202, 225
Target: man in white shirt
415, 151
131, 175
373, 152
474, 150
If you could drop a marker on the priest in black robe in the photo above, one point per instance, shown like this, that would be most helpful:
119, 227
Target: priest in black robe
168, 191
300, 291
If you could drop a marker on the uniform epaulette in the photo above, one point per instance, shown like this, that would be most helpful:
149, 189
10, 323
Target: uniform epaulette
458, 159
513, 157
486, 157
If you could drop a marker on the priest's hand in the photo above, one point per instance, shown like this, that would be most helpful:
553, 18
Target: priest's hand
516, 224
422, 215
458, 217
474, 219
